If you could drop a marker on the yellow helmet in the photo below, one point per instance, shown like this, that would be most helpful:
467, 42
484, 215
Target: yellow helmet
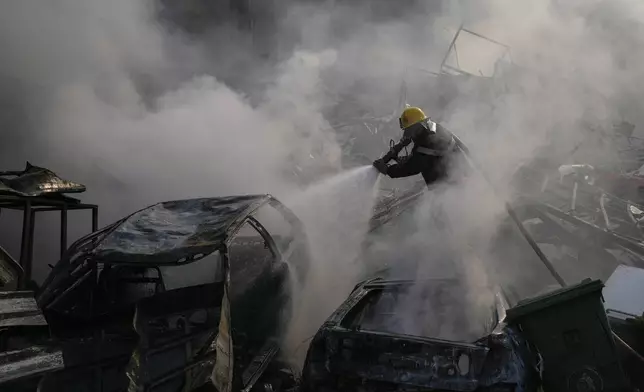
410, 116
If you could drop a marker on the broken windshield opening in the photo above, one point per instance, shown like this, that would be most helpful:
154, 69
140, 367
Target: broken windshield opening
203, 271
424, 309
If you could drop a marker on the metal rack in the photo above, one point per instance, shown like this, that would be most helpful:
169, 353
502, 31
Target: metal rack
30, 207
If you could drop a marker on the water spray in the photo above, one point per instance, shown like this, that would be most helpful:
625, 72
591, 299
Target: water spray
336, 212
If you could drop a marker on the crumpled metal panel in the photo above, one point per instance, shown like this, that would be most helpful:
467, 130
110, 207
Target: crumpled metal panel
36, 181
174, 231
405, 360
177, 353
19, 308
259, 364
10, 270
508, 362
29, 362
391, 206
222, 373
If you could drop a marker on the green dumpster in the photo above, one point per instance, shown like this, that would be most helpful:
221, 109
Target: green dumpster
569, 330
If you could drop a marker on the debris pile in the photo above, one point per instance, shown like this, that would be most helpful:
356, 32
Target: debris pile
193, 294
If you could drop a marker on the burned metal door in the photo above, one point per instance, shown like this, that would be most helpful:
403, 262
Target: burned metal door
176, 331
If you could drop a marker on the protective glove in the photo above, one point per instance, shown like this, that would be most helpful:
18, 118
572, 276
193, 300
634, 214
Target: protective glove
390, 155
380, 165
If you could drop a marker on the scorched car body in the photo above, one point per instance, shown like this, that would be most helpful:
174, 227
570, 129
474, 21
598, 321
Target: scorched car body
166, 299
363, 347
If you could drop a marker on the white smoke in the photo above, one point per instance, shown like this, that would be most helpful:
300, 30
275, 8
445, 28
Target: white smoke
107, 96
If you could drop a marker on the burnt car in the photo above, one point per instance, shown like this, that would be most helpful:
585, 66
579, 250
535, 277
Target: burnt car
399, 335
178, 296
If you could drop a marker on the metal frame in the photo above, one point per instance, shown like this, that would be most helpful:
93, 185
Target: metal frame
446, 69
32, 205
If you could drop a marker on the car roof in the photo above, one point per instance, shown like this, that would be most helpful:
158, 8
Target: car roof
173, 232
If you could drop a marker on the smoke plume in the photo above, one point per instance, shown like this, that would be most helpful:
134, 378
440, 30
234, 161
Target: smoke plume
144, 102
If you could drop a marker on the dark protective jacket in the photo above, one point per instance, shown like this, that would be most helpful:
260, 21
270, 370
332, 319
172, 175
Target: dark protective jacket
432, 146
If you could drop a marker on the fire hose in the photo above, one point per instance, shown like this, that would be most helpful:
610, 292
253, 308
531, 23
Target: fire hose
511, 212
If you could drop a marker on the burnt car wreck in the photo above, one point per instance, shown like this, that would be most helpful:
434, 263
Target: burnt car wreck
150, 303
372, 344
561, 340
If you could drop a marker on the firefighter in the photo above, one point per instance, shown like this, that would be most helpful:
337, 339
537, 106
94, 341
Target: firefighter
433, 145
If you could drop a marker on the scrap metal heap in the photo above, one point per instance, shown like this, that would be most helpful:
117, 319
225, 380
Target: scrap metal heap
589, 214
180, 296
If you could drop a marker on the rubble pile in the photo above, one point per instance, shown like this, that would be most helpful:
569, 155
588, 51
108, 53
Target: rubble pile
193, 295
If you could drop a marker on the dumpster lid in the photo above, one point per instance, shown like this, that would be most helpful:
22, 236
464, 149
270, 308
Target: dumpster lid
564, 294
624, 292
